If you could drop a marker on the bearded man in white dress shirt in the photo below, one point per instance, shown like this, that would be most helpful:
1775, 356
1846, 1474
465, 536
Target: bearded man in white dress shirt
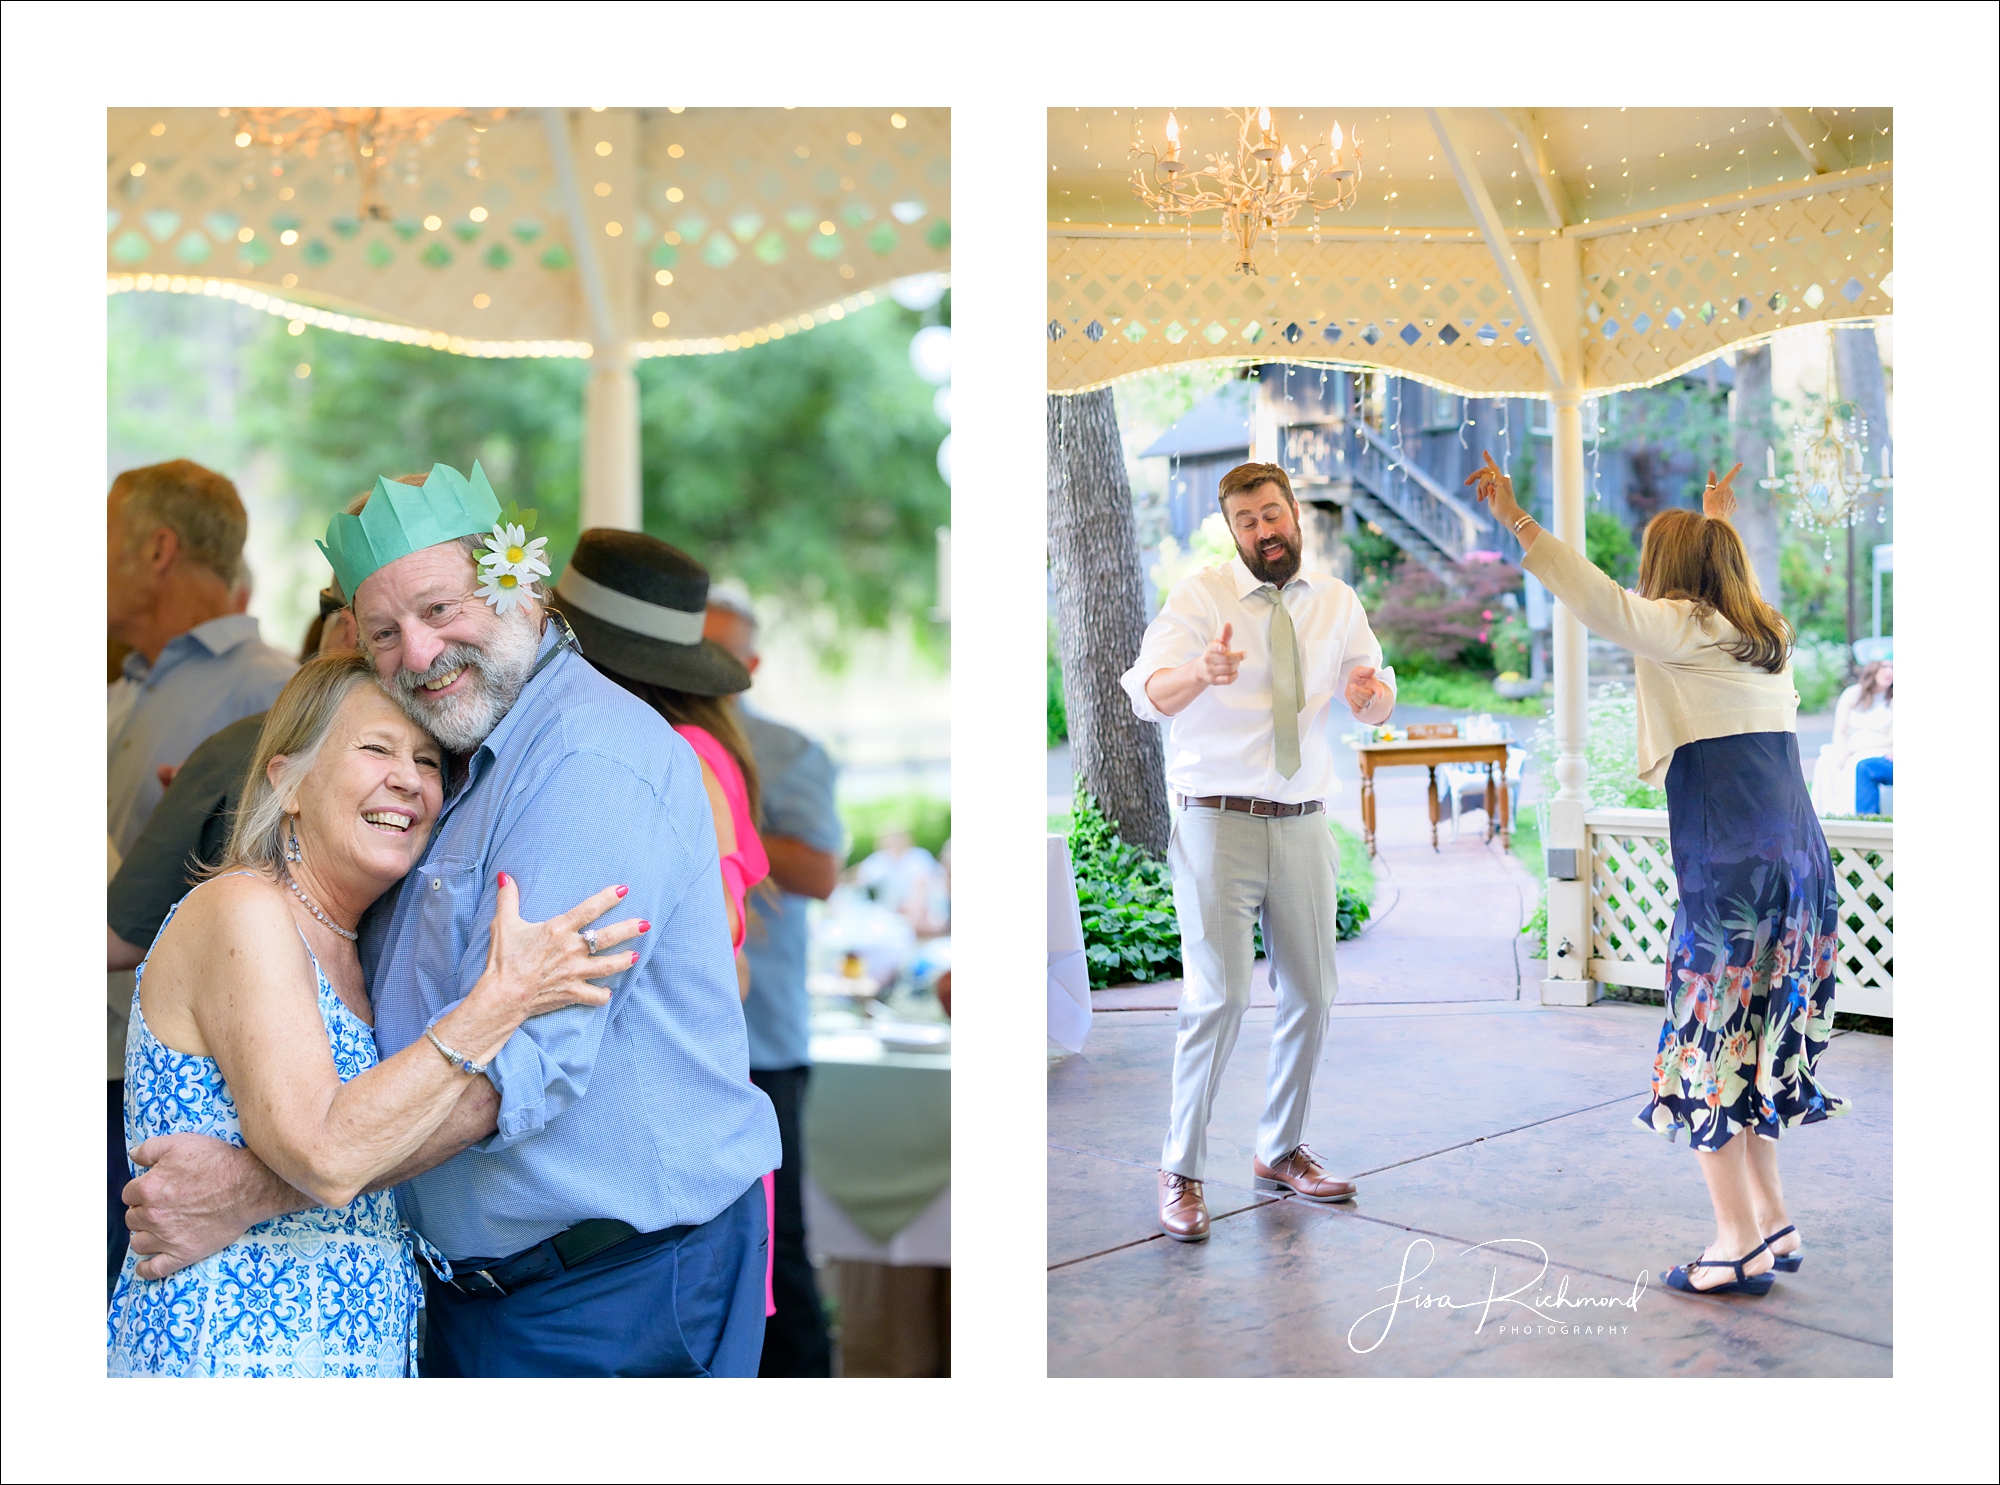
1243, 665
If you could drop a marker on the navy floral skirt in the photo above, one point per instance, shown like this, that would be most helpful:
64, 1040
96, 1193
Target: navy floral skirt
1750, 970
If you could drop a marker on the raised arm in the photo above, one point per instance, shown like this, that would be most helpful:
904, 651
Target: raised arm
1656, 629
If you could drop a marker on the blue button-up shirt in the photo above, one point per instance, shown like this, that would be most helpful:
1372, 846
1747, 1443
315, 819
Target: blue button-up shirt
641, 1110
216, 673
795, 786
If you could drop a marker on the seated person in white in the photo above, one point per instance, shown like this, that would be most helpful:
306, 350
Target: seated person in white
1861, 729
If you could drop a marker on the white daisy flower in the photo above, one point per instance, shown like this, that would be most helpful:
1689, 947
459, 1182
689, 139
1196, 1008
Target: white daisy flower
510, 551
502, 588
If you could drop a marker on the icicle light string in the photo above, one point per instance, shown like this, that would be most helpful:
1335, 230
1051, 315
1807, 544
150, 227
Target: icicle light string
303, 315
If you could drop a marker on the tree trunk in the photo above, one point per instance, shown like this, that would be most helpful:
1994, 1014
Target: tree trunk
1756, 517
1101, 616
1857, 361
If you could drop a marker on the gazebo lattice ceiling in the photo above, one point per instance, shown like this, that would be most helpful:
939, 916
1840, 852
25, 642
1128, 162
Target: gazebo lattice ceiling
1729, 225
668, 232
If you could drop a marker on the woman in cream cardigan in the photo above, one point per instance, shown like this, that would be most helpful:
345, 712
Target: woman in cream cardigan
1750, 973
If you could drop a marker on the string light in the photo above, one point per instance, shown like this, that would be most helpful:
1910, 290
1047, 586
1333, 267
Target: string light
306, 316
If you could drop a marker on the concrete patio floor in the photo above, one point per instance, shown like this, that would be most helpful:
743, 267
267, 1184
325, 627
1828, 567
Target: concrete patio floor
1468, 1114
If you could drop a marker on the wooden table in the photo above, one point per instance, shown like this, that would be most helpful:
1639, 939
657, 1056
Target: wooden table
1428, 753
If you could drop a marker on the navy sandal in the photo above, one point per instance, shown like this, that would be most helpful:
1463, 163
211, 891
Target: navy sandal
1678, 1276
1787, 1263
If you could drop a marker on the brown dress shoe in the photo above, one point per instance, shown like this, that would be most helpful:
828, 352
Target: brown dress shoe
1183, 1214
1299, 1174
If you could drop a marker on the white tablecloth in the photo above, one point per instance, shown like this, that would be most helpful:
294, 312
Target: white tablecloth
1069, 975
831, 1233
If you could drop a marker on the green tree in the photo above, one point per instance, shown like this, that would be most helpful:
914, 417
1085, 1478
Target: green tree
806, 468
1609, 545
372, 408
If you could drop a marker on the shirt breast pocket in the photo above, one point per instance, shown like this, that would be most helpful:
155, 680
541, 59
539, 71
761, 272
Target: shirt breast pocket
453, 924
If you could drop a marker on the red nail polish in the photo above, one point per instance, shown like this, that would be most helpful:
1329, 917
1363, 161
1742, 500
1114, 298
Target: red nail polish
635, 956
503, 878
645, 925
623, 890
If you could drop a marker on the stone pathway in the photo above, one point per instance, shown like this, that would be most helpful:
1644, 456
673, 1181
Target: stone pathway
1469, 1114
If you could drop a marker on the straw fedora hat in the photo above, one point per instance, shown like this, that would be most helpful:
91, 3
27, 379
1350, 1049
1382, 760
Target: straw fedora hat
637, 607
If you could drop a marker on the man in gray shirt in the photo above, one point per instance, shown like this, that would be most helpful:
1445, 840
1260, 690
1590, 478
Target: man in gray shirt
175, 543
803, 837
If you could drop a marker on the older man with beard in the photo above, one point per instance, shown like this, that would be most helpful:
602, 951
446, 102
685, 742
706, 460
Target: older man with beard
598, 1192
1243, 665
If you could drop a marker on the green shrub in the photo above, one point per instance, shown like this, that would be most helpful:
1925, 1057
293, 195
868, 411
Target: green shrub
1813, 589
1511, 645
1422, 623
1609, 545
1611, 751
925, 816
1819, 674
1356, 870
1125, 897
1536, 928
1461, 690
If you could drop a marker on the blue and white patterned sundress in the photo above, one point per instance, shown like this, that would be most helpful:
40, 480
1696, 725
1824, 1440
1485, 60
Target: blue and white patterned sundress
319, 1293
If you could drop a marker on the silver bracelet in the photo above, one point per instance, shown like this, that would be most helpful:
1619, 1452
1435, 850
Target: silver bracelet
457, 1059
1525, 519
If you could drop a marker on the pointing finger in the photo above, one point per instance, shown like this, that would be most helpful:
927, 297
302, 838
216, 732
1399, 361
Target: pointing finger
1223, 639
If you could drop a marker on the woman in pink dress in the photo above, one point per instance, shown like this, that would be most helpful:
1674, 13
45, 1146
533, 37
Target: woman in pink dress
642, 626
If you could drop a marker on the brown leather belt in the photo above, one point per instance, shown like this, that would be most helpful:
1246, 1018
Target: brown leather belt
1246, 806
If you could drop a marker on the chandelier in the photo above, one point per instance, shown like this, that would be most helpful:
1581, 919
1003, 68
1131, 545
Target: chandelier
1830, 485
370, 139
1260, 188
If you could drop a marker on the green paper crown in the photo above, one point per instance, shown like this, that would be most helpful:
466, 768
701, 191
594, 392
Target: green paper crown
400, 519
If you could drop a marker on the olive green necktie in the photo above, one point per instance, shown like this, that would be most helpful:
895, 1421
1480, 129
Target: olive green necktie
1287, 682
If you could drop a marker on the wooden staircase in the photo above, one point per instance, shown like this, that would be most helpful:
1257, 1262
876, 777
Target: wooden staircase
1432, 524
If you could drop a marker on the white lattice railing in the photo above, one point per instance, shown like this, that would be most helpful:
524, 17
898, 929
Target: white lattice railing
1632, 900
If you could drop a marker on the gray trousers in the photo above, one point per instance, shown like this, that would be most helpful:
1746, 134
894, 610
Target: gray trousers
1231, 870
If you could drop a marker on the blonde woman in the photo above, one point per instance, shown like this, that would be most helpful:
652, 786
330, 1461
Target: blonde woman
1863, 734
250, 1024
1750, 973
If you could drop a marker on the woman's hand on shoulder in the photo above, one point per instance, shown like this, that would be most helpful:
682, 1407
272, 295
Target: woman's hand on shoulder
541, 967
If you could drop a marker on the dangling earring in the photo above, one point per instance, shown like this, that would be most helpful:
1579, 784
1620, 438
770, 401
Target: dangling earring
292, 845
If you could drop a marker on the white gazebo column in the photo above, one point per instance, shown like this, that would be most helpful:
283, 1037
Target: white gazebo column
1569, 981
611, 490
596, 158
1568, 863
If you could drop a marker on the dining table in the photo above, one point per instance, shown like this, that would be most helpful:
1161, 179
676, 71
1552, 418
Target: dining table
1430, 748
